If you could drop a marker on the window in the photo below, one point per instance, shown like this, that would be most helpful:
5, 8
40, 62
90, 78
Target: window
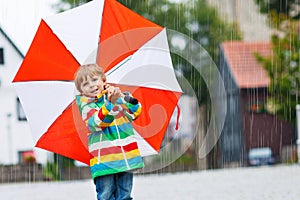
256, 100
20, 111
256, 107
26, 156
1, 56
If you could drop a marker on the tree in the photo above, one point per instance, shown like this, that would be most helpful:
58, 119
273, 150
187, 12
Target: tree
289, 8
284, 71
283, 67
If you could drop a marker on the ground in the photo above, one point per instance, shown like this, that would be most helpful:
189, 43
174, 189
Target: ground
250, 183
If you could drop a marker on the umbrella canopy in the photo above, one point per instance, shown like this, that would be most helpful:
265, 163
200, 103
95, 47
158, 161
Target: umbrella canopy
133, 52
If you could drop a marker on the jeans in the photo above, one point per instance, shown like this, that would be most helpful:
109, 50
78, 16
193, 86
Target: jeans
114, 186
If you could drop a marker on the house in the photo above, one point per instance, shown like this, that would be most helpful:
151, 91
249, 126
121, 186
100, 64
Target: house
15, 136
248, 124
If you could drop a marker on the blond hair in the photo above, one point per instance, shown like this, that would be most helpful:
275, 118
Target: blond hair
88, 70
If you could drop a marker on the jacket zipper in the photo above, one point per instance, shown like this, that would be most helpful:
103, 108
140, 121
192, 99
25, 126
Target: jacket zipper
99, 154
99, 150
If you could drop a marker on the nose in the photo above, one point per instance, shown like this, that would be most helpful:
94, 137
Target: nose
92, 86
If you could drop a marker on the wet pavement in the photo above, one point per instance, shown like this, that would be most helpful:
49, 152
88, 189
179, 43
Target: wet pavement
251, 183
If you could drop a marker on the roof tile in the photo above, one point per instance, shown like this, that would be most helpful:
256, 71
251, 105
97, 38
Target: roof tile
246, 70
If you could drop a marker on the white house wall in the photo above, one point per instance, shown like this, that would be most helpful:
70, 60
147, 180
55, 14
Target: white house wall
15, 135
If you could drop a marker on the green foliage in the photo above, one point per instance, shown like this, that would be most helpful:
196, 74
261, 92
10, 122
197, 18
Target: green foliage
284, 70
63, 162
68, 4
186, 159
51, 171
280, 7
283, 67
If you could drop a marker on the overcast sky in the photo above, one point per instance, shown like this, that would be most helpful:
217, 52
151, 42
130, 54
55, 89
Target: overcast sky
20, 19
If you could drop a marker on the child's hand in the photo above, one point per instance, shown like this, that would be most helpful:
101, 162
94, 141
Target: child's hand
113, 93
116, 95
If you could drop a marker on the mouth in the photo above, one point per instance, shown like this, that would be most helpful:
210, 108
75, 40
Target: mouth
95, 91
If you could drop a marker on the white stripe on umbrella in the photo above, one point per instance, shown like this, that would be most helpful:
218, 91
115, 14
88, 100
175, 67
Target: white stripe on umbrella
150, 66
42, 110
79, 35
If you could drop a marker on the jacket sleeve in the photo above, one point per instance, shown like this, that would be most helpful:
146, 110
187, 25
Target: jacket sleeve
133, 110
96, 117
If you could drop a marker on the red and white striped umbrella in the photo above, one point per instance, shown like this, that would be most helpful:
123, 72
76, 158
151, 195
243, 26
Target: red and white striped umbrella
133, 52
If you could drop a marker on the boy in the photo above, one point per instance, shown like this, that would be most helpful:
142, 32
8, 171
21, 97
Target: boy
108, 114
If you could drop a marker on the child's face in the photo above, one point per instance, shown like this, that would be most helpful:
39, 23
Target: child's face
92, 86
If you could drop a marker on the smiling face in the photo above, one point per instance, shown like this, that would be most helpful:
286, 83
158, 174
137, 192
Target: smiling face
90, 80
91, 86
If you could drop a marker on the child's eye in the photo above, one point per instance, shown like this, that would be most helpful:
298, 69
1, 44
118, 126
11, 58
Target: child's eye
84, 84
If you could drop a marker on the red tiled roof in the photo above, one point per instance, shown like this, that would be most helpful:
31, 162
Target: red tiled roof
246, 70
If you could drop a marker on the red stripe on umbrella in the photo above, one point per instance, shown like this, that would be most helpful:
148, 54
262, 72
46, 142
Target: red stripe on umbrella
47, 59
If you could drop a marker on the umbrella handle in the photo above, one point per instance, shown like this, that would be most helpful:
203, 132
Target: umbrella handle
130, 99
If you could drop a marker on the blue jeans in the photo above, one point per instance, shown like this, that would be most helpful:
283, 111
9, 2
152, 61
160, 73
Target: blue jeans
114, 186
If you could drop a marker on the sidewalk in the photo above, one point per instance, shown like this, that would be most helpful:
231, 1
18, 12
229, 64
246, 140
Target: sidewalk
268, 182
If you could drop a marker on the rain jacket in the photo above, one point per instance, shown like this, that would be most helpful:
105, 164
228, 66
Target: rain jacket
111, 138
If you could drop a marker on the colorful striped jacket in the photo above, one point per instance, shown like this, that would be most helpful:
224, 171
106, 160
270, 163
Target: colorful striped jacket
111, 140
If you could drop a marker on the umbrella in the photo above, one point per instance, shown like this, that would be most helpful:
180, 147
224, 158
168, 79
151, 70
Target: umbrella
133, 52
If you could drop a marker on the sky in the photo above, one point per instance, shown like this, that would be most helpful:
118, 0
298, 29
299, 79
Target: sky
20, 19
